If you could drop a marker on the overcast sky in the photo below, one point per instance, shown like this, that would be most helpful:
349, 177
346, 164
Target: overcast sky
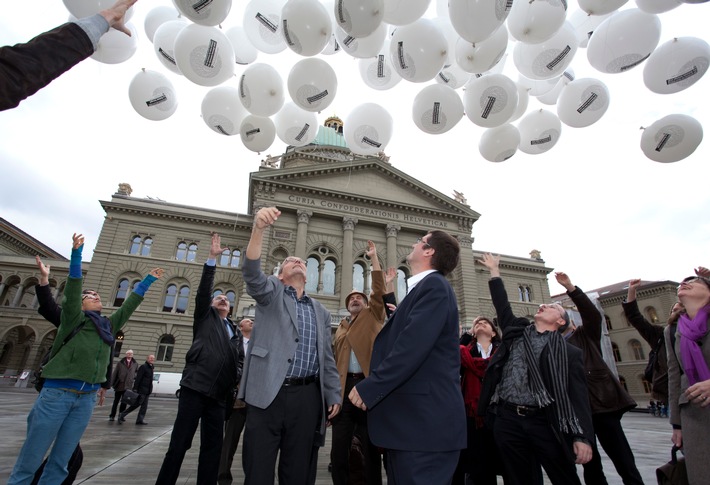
594, 205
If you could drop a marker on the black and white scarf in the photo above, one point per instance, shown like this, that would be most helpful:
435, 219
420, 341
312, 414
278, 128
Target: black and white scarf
567, 421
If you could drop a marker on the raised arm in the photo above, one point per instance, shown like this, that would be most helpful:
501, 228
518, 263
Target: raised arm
48, 307
263, 219
116, 15
650, 332
497, 289
592, 319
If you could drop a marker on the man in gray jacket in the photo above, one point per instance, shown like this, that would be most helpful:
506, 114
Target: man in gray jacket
289, 377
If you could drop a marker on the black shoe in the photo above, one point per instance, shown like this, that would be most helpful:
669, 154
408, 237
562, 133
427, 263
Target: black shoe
111, 418
121, 418
141, 422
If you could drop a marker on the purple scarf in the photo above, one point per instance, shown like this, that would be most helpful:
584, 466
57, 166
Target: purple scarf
692, 331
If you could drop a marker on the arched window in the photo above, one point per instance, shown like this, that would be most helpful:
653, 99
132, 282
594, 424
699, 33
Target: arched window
329, 277
140, 245
401, 284
236, 258
185, 252
608, 322
527, 293
119, 343
312, 271
647, 387
652, 314
615, 350
358, 278
191, 252
166, 345
181, 252
622, 381
521, 296
176, 298
636, 350
123, 290
224, 258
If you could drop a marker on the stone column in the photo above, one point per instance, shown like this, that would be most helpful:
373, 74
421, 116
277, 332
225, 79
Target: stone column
18, 296
346, 280
304, 217
392, 231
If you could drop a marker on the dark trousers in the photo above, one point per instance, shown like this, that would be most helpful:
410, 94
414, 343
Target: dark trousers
116, 401
193, 409
607, 427
420, 467
526, 441
349, 422
287, 427
232, 431
480, 460
143, 403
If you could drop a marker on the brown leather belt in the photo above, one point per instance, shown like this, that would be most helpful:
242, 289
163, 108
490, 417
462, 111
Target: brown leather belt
520, 409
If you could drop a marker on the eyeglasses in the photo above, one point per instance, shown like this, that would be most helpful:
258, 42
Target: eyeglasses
293, 259
90, 296
421, 240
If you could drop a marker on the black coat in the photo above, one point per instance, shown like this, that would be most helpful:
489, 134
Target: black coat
143, 383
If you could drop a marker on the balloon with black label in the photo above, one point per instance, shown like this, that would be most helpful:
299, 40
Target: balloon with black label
672, 138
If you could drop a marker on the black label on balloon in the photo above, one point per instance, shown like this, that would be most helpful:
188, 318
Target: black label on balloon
582, 107
633, 64
303, 132
435, 113
489, 107
371, 142
564, 4
341, 15
267, 23
568, 75
211, 52
683, 76
317, 97
253, 132
201, 5
662, 143
157, 100
167, 56
241, 86
381, 65
541, 141
508, 5
559, 58
443, 77
221, 130
400, 55
348, 40
286, 33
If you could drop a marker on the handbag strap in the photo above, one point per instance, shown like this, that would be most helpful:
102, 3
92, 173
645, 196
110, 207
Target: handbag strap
66, 340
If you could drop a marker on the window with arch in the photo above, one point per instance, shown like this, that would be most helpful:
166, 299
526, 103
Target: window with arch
647, 387
124, 288
358, 277
166, 345
186, 252
608, 322
616, 352
652, 314
230, 257
329, 277
320, 274
231, 296
140, 245
636, 350
527, 293
176, 298
118, 345
521, 296
312, 271
622, 381
401, 284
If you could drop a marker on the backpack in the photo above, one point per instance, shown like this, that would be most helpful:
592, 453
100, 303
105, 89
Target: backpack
37, 379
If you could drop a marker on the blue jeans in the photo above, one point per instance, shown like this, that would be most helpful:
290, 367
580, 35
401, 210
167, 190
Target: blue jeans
58, 417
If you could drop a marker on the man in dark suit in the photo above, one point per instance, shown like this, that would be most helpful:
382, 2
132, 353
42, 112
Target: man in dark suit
536, 387
143, 385
290, 381
413, 396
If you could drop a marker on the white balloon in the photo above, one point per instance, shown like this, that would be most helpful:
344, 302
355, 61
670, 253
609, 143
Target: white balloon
152, 95
404, 12
584, 25
367, 129
657, 6
244, 52
583, 102
523, 101
550, 97
295, 126
306, 26
261, 90
222, 111
116, 47
157, 17
86, 8
536, 22
418, 51
258, 132
547, 59
623, 41
359, 18
672, 138
436, 109
262, 24
539, 131
482, 56
204, 55
490, 100
676, 65
500, 143
452, 37
312, 84
164, 43
600, 7
453, 76
378, 72
210, 13
538, 87
476, 20
363, 47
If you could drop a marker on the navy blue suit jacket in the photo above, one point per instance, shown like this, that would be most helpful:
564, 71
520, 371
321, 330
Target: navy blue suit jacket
413, 393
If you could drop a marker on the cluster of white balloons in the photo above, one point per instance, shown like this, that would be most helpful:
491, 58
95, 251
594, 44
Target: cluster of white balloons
463, 48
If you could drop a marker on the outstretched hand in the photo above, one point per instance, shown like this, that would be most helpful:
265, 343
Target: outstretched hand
702, 271
266, 217
77, 240
371, 250
116, 15
216, 246
157, 272
564, 280
43, 271
390, 275
492, 262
